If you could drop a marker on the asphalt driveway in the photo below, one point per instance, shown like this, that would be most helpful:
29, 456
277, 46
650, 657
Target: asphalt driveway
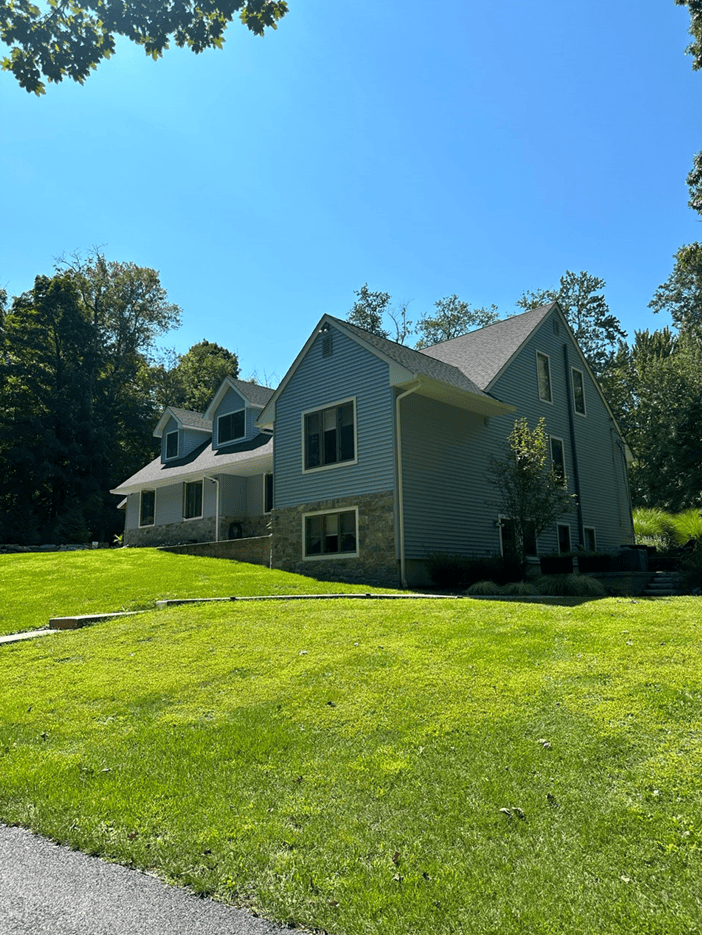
46, 889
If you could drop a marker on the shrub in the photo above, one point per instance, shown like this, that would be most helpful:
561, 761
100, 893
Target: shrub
448, 570
686, 526
485, 587
651, 523
569, 586
520, 588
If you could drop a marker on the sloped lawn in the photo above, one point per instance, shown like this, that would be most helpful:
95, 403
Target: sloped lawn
37, 586
381, 767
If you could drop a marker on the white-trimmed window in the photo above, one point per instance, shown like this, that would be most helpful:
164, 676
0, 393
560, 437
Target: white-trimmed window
590, 539
329, 435
231, 426
147, 507
558, 459
543, 373
192, 500
578, 391
563, 531
508, 539
172, 444
267, 493
332, 534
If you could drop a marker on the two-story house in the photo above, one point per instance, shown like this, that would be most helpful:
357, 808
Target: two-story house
381, 452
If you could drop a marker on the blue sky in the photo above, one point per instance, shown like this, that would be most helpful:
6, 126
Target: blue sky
477, 149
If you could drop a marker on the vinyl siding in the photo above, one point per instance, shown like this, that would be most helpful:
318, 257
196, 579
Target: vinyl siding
349, 372
603, 492
188, 440
254, 495
232, 496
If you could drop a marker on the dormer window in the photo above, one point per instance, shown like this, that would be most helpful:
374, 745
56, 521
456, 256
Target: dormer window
172, 445
231, 427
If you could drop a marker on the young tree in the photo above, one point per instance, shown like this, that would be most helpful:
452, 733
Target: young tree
453, 317
71, 37
531, 496
596, 329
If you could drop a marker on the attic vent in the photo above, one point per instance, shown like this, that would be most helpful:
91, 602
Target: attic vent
556, 326
327, 347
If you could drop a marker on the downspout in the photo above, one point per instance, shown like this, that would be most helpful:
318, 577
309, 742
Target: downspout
571, 420
216, 482
400, 494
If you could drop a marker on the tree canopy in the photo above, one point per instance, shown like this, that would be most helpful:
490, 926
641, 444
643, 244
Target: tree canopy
71, 37
580, 296
453, 317
681, 293
695, 47
194, 377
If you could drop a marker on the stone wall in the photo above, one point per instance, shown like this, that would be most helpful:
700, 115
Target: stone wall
256, 551
198, 530
377, 562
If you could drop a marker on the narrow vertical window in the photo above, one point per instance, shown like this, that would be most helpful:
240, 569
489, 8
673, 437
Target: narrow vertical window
558, 459
578, 391
590, 542
147, 507
192, 500
267, 493
543, 367
172, 445
563, 538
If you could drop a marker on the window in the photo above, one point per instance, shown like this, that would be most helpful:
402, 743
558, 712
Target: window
192, 500
508, 539
147, 506
563, 538
578, 391
231, 426
172, 445
558, 459
543, 368
590, 541
267, 493
329, 436
330, 534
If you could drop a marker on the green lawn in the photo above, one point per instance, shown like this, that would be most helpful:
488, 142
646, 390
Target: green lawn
379, 767
37, 586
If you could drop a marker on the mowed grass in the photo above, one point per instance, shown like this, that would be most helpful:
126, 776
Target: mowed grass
378, 767
37, 586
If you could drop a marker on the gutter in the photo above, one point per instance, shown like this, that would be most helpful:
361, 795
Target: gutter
400, 495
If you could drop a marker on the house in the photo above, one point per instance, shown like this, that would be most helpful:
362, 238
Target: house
381, 451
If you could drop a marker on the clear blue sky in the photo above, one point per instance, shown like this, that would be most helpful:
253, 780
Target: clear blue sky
478, 149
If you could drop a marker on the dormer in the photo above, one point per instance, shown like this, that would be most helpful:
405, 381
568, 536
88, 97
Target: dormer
181, 431
234, 410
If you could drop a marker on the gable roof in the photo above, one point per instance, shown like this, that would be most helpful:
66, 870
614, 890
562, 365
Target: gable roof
253, 393
485, 353
185, 418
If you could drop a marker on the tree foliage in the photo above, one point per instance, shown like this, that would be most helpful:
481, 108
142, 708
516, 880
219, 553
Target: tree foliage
453, 317
368, 310
695, 47
194, 377
77, 409
580, 296
681, 293
71, 37
530, 495
694, 184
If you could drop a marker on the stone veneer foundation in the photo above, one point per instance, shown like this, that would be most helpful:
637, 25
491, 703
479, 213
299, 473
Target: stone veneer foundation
377, 562
198, 530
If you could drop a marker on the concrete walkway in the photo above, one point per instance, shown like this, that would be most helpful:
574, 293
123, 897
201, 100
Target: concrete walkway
46, 889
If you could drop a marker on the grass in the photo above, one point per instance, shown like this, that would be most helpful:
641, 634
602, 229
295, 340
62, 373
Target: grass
37, 586
427, 767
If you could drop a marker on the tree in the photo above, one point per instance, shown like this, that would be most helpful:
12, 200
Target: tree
694, 184
532, 497
695, 47
368, 310
596, 329
71, 37
453, 317
681, 293
194, 377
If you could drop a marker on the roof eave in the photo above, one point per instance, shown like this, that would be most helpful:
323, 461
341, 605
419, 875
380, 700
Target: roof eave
463, 399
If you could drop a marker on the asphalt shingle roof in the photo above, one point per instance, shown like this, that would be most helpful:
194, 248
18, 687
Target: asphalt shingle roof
417, 361
191, 420
256, 394
484, 353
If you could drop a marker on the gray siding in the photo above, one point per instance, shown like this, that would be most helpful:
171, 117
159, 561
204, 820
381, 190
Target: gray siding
350, 371
603, 492
231, 402
232, 495
254, 495
188, 440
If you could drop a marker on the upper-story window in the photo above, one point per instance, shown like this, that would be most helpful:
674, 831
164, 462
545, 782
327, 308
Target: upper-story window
578, 391
558, 459
172, 445
231, 426
330, 435
543, 370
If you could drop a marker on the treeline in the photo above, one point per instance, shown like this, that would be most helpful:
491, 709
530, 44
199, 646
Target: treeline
81, 388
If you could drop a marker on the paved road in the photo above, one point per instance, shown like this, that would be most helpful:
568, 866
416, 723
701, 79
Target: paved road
46, 889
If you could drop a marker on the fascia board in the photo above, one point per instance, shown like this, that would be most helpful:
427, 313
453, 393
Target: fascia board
463, 399
163, 421
225, 385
